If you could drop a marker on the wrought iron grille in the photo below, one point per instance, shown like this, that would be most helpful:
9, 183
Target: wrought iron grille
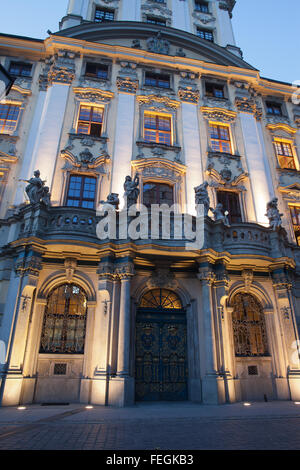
249, 328
64, 321
161, 298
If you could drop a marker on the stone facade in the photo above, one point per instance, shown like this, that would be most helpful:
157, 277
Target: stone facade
43, 247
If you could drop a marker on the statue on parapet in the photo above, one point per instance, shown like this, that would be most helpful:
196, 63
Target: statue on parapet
36, 190
219, 214
113, 200
273, 214
202, 197
131, 188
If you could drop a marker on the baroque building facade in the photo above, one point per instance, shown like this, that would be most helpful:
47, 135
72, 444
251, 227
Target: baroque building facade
157, 89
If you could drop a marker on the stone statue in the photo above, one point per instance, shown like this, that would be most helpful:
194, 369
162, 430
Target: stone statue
219, 214
202, 197
273, 214
36, 190
131, 190
113, 200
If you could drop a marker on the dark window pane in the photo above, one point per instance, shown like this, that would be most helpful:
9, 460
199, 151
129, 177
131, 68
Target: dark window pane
157, 193
20, 69
201, 6
231, 203
81, 192
102, 15
96, 71
157, 21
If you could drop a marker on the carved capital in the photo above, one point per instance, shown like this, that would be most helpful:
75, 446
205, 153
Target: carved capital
188, 95
246, 105
127, 85
30, 266
207, 276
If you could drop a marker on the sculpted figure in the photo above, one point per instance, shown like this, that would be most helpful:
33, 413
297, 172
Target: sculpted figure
113, 200
46, 196
34, 189
273, 214
131, 190
202, 197
220, 215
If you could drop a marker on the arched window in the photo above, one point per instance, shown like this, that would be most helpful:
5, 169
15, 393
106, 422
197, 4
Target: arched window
161, 299
64, 321
249, 328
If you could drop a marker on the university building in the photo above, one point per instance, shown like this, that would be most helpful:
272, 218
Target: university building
157, 89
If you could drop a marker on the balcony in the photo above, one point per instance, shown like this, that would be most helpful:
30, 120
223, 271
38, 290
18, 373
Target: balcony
70, 224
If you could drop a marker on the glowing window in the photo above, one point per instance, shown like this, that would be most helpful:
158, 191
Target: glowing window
161, 299
90, 120
64, 321
9, 115
157, 128
285, 155
220, 138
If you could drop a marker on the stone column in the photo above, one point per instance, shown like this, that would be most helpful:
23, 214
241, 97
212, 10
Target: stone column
256, 157
16, 325
213, 389
122, 386
225, 30
181, 16
124, 133
221, 286
191, 140
131, 11
45, 149
287, 323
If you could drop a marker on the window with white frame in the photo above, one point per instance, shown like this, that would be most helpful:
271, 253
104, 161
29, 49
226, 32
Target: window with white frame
9, 115
157, 128
90, 120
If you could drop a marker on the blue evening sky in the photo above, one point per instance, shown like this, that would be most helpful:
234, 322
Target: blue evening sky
266, 30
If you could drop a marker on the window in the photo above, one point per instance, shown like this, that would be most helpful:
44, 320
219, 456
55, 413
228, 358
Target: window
249, 329
158, 21
90, 120
9, 114
285, 155
205, 34
157, 128
274, 108
64, 322
231, 203
295, 215
102, 15
20, 69
96, 71
160, 299
157, 193
220, 138
214, 91
201, 6
157, 80
81, 191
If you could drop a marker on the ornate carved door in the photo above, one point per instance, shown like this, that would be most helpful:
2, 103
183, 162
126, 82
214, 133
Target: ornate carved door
161, 359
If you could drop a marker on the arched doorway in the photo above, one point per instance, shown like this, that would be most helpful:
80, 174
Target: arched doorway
161, 348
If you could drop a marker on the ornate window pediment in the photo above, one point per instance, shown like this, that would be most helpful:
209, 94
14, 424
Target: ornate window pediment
93, 95
218, 114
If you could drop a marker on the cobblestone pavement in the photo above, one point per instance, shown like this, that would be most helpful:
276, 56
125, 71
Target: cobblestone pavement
153, 426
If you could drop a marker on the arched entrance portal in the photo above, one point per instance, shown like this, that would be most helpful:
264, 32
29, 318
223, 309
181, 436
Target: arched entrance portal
161, 349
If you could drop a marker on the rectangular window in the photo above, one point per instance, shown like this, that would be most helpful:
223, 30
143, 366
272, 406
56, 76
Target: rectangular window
157, 80
205, 34
96, 71
274, 108
295, 215
9, 115
157, 128
220, 138
285, 155
90, 120
201, 6
102, 15
20, 69
81, 191
157, 193
158, 21
231, 203
214, 91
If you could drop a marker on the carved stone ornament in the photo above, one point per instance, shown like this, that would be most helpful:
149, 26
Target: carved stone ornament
273, 214
158, 45
31, 266
131, 188
70, 267
162, 278
202, 197
218, 114
247, 276
113, 200
61, 67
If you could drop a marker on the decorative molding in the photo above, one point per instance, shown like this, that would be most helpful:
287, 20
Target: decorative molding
86, 160
162, 278
189, 95
247, 276
281, 126
218, 114
158, 45
70, 265
157, 102
93, 95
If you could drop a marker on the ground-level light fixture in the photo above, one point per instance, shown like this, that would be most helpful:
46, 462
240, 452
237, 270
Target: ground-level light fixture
247, 404
21, 407
89, 407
